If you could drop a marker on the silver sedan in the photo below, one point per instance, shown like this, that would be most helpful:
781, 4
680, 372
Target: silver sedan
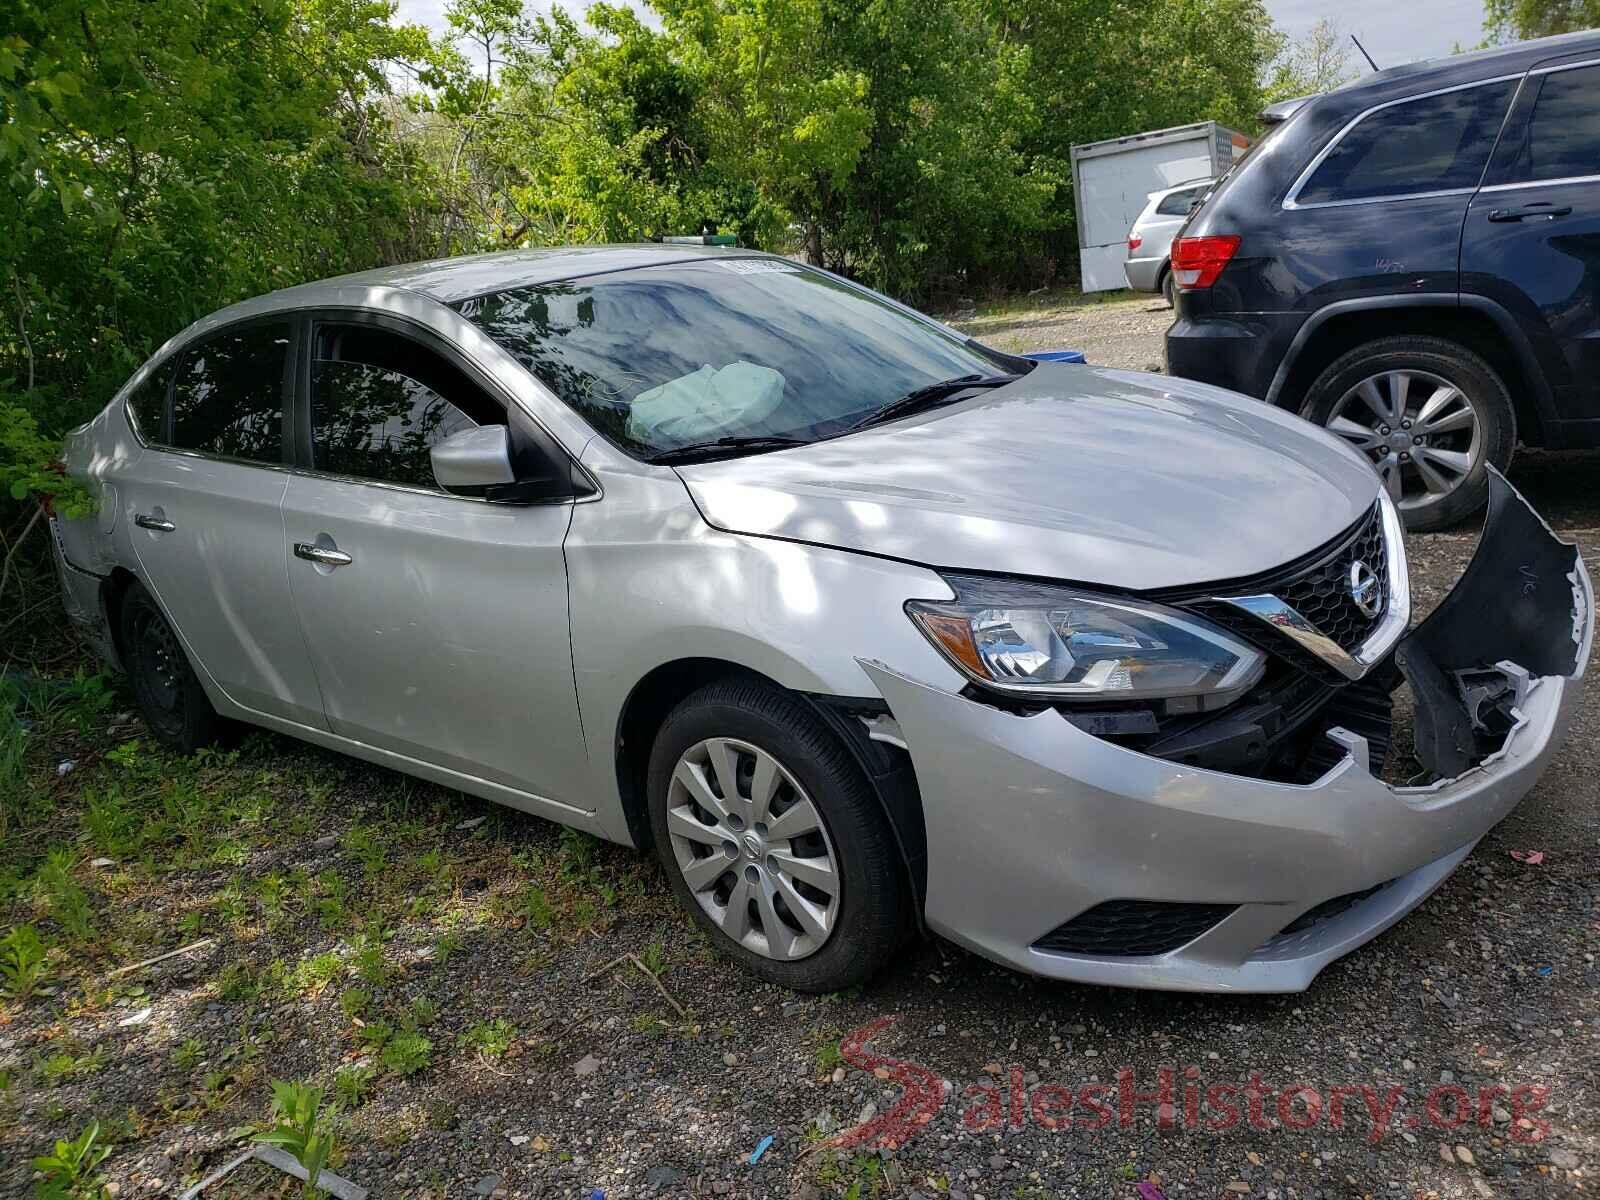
865, 628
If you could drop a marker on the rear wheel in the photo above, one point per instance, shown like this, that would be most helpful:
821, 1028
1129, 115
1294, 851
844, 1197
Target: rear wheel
1169, 289
773, 840
169, 695
1430, 415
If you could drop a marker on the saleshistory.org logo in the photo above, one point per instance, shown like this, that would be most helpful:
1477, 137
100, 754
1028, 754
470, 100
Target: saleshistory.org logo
1176, 1097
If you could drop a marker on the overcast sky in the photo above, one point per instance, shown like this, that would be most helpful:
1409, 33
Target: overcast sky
1393, 31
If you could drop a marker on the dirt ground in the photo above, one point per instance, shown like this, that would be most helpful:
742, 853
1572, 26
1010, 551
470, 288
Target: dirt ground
356, 915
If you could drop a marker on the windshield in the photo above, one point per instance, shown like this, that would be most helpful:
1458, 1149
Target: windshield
667, 356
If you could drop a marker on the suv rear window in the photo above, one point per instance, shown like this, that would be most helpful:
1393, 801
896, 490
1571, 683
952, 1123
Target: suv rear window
1430, 144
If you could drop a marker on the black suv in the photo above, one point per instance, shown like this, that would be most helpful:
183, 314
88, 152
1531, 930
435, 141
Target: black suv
1413, 260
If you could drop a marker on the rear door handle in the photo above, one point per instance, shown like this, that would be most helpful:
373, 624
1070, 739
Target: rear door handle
1530, 210
322, 554
150, 521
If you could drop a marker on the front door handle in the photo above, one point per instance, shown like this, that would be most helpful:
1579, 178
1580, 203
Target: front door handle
1540, 209
322, 554
151, 521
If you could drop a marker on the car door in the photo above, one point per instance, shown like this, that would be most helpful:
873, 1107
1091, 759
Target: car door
203, 507
1532, 237
437, 624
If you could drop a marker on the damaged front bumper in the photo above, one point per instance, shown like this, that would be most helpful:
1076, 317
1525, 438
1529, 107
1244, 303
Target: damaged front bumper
1035, 826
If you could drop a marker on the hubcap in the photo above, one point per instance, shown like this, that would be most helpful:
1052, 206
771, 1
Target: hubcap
752, 848
1419, 429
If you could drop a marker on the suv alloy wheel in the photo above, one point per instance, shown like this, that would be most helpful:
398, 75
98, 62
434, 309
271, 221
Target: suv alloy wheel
1430, 415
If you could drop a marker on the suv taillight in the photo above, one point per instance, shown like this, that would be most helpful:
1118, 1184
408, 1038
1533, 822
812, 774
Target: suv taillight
1134, 242
1197, 261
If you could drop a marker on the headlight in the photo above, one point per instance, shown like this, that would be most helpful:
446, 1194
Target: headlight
1049, 641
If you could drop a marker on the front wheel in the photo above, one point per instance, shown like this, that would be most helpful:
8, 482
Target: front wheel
1430, 415
773, 839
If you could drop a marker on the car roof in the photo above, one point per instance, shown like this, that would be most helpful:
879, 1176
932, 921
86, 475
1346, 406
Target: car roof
1472, 66
452, 279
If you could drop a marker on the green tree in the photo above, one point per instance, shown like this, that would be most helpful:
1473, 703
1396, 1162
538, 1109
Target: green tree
164, 157
1514, 20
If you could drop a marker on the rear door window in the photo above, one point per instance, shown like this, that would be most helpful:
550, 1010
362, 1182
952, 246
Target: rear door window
380, 402
228, 397
1561, 138
1430, 144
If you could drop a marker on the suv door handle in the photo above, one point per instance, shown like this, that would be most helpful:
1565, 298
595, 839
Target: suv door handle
322, 554
149, 521
1540, 209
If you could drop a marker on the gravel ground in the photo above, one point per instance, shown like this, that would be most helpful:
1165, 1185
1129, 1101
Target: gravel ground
1488, 990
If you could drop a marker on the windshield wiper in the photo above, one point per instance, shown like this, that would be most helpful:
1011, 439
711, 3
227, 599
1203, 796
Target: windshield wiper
701, 449
931, 394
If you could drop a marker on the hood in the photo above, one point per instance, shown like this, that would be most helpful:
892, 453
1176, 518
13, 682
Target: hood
1085, 474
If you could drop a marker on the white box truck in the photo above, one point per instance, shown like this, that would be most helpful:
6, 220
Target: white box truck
1112, 180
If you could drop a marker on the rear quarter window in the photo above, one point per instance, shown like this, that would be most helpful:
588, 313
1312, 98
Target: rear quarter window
147, 404
1430, 144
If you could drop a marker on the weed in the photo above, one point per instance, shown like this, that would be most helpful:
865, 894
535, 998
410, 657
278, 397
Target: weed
491, 1039
443, 1115
828, 1057
407, 1053
536, 908
366, 843
353, 1003
422, 1013
109, 822
69, 1170
69, 905
22, 962
313, 974
187, 1056
446, 947
654, 958
352, 1085
301, 1127
17, 798
376, 1033
578, 850
370, 963
238, 982
61, 1065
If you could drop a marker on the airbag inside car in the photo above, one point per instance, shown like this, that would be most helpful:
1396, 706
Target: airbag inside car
698, 406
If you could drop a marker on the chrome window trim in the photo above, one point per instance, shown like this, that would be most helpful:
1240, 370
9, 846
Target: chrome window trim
1396, 613
1290, 199
439, 493
1531, 183
1558, 67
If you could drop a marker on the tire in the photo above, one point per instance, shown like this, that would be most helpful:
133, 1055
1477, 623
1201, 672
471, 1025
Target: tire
865, 920
1169, 288
165, 687
1442, 477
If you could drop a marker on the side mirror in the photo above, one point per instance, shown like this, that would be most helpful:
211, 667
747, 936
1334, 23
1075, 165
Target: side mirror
474, 461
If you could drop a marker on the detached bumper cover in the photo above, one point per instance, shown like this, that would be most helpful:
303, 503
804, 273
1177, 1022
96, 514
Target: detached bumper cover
1032, 821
